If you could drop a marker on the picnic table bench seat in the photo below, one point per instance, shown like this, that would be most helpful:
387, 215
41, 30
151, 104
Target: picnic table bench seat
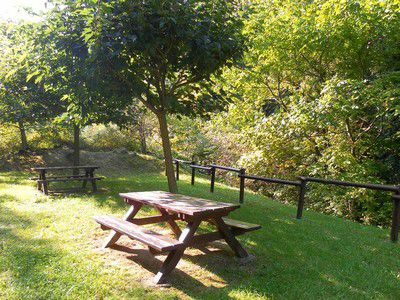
48, 179
146, 236
240, 227
160, 242
59, 176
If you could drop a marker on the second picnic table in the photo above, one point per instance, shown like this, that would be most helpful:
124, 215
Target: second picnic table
174, 207
43, 180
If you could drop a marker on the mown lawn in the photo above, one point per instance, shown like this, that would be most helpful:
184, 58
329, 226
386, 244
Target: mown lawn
50, 249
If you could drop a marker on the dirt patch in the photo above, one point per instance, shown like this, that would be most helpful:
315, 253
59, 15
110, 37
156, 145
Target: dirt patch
199, 269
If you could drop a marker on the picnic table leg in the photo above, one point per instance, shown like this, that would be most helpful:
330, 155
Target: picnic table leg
94, 186
174, 256
172, 224
87, 175
42, 176
175, 228
39, 185
230, 238
45, 189
114, 236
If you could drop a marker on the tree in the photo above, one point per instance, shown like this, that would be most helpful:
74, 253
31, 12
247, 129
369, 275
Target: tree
62, 65
22, 101
165, 54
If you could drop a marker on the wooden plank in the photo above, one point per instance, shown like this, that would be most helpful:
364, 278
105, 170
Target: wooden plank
144, 235
64, 168
153, 219
200, 239
241, 225
180, 203
57, 177
130, 214
71, 179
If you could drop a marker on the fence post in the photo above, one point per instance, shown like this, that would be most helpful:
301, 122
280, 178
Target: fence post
212, 179
300, 204
394, 233
242, 172
177, 169
193, 172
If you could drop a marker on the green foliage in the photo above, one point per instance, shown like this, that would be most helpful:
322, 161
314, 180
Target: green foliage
108, 137
9, 140
189, 140
22, 101
63, 66
164, 52
318, 94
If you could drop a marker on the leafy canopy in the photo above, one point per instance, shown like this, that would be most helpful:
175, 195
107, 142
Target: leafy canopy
63, 66
165, 52
21, 100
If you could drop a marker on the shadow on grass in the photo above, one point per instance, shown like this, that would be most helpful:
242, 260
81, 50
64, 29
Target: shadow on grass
317, 257
24, 258
153, 264
14, 177
35, 267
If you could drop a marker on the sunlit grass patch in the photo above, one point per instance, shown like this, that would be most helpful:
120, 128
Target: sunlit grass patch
51, 249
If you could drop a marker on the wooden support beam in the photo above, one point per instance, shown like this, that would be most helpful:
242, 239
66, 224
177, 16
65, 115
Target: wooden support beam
114, 236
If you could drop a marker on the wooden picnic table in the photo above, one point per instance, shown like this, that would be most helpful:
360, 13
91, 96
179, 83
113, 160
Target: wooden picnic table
174, 207
43, 180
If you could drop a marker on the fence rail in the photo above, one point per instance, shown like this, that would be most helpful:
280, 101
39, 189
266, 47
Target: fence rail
302, 184
372, 186
225, 168
272, 180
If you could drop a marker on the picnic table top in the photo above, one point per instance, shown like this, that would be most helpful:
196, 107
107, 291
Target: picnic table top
179, 203
64, 167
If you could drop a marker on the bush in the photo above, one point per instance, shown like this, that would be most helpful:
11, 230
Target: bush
108, 137
9, 140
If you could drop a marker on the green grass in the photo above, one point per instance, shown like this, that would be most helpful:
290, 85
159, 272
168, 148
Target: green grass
50, 249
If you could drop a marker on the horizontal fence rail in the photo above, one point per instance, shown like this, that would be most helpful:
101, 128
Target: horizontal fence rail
183, 161
301, 184
201, 167
225, 168
272, 180
371, 186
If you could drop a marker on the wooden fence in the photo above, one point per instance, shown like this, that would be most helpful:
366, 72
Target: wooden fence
301, 183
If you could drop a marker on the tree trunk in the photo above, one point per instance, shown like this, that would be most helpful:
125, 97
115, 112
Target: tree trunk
169, 167
142, 136
76, 154
24, 140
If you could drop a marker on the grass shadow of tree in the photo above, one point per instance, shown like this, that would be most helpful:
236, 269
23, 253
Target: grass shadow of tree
35, 267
